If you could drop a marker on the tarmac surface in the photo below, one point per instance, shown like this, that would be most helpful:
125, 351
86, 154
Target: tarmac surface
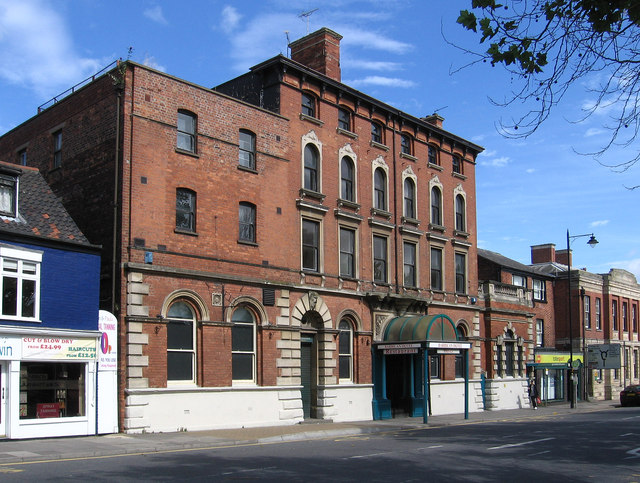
20, 451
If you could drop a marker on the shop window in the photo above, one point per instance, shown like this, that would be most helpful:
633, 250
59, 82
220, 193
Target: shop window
52, 390
247, 149
186, 138
181, 343
20, 284
347, 171
185, 210
345, 350
243, 345
460, 358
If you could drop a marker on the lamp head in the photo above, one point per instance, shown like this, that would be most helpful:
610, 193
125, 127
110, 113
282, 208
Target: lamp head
592, 241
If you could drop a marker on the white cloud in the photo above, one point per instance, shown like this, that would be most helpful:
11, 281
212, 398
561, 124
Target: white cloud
155, 14
530, 171
150, 61
230, 19
594, 131
486, 154
376, 80
371, 64
371, 40
36, 50
500, 162
599, 223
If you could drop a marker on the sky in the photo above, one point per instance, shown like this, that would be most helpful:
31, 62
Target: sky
406, 53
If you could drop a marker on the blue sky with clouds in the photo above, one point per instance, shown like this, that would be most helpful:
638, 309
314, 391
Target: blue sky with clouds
529, 191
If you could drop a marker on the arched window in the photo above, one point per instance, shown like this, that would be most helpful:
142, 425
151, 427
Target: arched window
181, 342
436, 206
247, 222
460, 358
185, 209
380, 189
509, 352
347, 174
186, 131
345, 350
460, 216
409, 198
243, 345
311, 167
247, 149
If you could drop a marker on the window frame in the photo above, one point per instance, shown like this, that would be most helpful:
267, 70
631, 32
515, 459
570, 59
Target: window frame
625, 316
309, 105
57, 149
456, 165
460, 214
22, 157
236, 353
191, 213
406, 144
598, 314
438, 206
409, 198
314, 247
311, 174
9, 185
518, 280
380, 258
247, 152
461, 276
187, 132
175, 320
437, 271
410, 267
347, 333
539, 290
346, 256
614, 314
586, 305
347, 179
28, 269
344, 119
377, 136
380, 192
245, 207
539, 332
432, 155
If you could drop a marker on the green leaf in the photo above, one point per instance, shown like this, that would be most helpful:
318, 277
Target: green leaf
467, 20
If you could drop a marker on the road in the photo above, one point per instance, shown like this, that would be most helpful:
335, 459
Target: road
596, 446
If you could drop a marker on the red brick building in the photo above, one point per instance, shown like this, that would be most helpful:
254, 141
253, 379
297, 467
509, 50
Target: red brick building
260, 236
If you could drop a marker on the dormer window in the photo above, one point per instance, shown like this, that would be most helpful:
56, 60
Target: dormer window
8, 195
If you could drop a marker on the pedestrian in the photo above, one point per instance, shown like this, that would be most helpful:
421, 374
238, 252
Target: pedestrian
533, 393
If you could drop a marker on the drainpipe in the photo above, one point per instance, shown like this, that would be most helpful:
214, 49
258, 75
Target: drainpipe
395, 204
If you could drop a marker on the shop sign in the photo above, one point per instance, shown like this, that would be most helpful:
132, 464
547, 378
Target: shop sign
448, 351
48, 410
58, 348
449, 345
10, 348
108, 352
387, 352
562, 359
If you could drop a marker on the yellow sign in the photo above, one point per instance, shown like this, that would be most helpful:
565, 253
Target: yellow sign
556, 358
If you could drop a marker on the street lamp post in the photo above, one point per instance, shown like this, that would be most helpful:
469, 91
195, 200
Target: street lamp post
592, 243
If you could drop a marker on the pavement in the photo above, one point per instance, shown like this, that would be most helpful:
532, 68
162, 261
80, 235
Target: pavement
14, 452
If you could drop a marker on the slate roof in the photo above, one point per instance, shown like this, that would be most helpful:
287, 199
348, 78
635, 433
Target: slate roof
40, 213
505, 262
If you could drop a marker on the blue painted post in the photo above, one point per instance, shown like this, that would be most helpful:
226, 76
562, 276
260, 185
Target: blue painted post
425, 415
466, 383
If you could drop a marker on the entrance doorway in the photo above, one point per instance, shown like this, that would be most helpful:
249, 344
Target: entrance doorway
308, 376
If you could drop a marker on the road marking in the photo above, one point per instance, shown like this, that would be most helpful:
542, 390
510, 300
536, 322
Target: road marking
539, 453
248, 471
630, 417
368, 455
626, 434
635, 453
513, 445
10, 470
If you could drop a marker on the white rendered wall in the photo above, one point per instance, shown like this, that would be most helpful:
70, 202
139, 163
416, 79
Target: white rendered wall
197, 408
507, 393
447, 397
349, 402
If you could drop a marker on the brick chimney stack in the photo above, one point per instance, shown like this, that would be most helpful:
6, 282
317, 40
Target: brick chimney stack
543, 253
319, 51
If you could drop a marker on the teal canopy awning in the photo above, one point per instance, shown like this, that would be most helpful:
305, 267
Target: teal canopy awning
420, 328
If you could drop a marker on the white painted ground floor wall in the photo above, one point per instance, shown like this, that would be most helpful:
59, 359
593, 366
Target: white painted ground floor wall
196, 408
